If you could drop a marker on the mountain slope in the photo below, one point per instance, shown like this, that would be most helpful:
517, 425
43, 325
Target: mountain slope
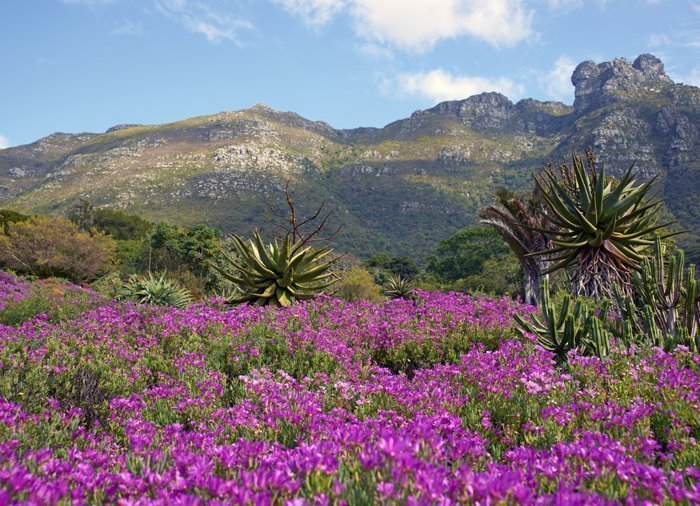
401, 188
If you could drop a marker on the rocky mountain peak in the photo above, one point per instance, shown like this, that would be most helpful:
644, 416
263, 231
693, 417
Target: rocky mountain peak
600, 84
124, 126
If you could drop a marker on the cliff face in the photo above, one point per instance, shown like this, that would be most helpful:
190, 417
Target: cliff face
401, 188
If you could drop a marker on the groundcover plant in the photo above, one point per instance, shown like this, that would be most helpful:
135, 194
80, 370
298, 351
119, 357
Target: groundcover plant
435, 400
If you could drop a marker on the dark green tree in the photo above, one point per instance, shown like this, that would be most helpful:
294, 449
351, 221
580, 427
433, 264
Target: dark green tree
464, 253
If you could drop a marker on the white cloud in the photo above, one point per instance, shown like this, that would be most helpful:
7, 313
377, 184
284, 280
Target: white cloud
557, 82
564, 4
658, 40
692, 79
313, 12
439, 85
4, 143
128, 27
417, 25
198, 17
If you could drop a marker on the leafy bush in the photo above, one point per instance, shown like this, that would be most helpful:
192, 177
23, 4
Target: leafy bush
47, 246
357, 284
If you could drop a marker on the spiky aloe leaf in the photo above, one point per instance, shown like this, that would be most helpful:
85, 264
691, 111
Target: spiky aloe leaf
600, 228
276, 273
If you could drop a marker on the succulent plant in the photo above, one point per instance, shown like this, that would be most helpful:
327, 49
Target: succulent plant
600, 226
569, 327
397, 287
669, 302
278, 273
158, 291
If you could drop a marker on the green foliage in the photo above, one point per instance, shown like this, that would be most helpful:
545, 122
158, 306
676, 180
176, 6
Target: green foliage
464, 253
384, 264
47, 246
192, 247
120, 225
82, 213
184, 252
9, 216
600, 226
277, 274
357, 284
157, 291
397, 287
108, 285
499, 276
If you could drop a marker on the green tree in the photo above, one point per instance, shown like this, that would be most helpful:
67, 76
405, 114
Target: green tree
517, 221
82, 213
464, 253
8, 216
120, 225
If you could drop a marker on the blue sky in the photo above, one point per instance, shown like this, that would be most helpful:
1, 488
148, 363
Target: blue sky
85, 65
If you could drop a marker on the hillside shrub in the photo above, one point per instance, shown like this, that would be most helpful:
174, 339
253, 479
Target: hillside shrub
356, 284
48, 246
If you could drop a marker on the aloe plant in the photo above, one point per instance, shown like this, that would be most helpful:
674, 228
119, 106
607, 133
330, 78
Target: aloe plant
158, 291
599, 226
397, 287
278, 273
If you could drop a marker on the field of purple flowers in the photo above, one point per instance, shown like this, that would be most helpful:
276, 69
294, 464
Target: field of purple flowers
432, 401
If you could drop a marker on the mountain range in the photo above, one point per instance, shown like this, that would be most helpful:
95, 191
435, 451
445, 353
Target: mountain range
401, 188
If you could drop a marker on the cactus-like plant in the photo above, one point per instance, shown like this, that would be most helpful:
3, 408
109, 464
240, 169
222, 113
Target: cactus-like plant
278, 273
569, 327
558, 331
397, 287
159, 291
600, 227
669, 310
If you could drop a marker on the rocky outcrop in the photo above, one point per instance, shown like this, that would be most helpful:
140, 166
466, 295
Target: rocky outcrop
117, 128
597, 85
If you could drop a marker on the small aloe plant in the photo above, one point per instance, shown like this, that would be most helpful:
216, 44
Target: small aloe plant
397, 287
159, 291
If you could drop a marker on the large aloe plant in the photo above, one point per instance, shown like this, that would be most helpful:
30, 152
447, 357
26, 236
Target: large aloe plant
278, 273
600, 227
